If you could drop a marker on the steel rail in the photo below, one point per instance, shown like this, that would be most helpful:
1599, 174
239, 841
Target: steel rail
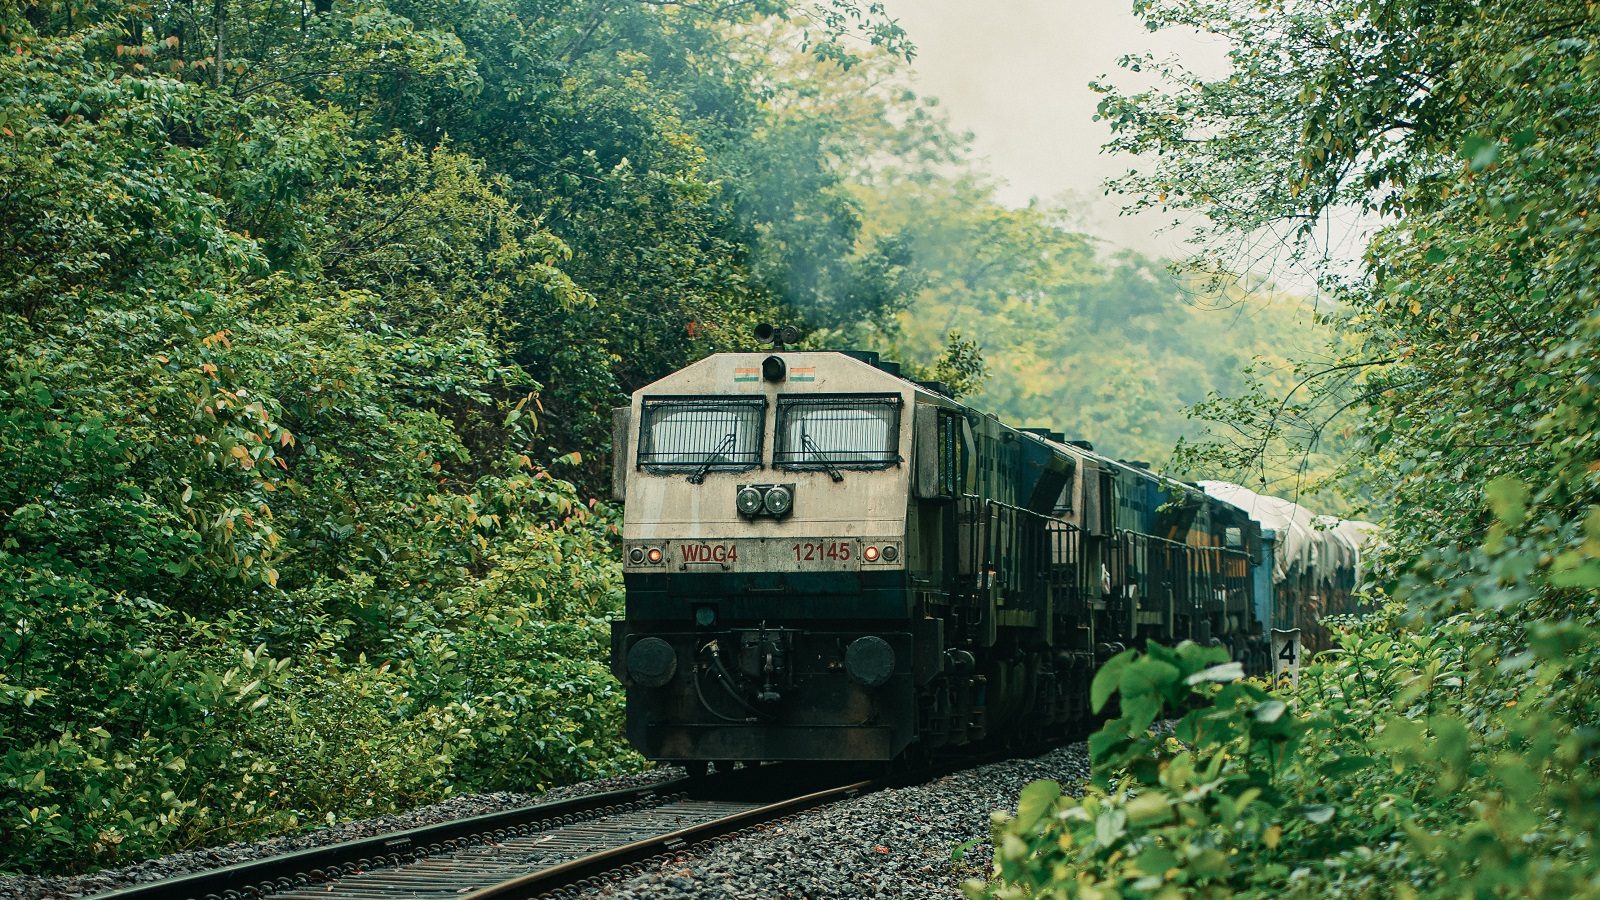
566, 874
272, 874
550, 848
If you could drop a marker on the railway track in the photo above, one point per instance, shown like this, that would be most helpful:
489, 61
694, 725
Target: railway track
527, 852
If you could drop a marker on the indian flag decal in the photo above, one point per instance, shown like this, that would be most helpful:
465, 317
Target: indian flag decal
746, 374
808, 373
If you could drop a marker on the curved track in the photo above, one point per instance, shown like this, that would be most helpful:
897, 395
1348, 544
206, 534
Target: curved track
518, 853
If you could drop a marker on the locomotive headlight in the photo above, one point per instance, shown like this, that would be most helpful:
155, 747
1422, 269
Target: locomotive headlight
749, 501
654, 554
870, 554
636, 556
891, 553
778, 500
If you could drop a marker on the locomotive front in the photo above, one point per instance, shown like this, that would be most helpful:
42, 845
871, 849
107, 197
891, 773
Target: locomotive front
765, 559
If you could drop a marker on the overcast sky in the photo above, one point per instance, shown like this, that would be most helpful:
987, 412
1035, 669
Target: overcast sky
1016, 74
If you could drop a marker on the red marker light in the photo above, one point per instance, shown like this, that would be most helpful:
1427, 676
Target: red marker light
871, 553
655, 554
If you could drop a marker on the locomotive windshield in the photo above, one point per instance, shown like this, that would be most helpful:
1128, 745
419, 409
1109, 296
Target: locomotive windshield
838, 432
706, 433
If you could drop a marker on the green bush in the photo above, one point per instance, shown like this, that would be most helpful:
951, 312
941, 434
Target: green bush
274, 549
1451, 747
124, 724
133, 729
1410, 762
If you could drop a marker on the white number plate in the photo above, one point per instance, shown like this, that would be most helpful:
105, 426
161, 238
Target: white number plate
813, 554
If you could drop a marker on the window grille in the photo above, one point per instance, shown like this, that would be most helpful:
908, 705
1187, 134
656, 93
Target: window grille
952, 456
718, 434
855, 432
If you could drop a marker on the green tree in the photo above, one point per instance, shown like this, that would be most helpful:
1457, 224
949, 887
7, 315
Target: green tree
303, 307
1467, 128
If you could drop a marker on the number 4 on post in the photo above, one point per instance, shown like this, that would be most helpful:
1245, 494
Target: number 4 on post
1286, 654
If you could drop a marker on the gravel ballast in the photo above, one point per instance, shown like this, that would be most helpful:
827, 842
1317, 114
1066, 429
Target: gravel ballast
893, 843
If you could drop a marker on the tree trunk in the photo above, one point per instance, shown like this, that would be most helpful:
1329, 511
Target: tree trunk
219, 16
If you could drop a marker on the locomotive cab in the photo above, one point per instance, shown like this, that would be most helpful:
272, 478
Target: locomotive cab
768, 562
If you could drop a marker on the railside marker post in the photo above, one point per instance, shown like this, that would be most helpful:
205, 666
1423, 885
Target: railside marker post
1286, 655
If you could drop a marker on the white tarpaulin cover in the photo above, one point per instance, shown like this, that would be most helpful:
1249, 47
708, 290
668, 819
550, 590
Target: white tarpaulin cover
1304, 540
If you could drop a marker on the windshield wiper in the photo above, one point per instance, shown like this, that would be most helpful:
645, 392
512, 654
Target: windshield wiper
699, 474
810, 445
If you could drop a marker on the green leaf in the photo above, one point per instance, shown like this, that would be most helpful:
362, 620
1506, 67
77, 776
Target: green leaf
1318, 813
1586, 575
1105, 680
1557, 641
1103, 742
1110, 826
1036, 800
1345, 765
1480, 152
1152, 806
1401, 734
1209, 863
959, 851
1156, 861
1269, 711
1229, 671
1508, 499
1146, 676
1139, 711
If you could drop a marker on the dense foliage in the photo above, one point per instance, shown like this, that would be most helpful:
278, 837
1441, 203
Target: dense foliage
295, 302
1371, 777
311, 316
1451, 746
1109, 347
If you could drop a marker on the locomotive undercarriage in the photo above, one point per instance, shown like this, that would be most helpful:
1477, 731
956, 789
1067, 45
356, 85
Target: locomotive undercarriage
861, 667
877, 671
776, 692
768, 692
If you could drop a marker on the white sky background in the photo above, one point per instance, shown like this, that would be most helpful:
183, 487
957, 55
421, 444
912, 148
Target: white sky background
1016, 74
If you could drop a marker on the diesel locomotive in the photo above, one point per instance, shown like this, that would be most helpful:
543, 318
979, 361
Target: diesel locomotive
825, 560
